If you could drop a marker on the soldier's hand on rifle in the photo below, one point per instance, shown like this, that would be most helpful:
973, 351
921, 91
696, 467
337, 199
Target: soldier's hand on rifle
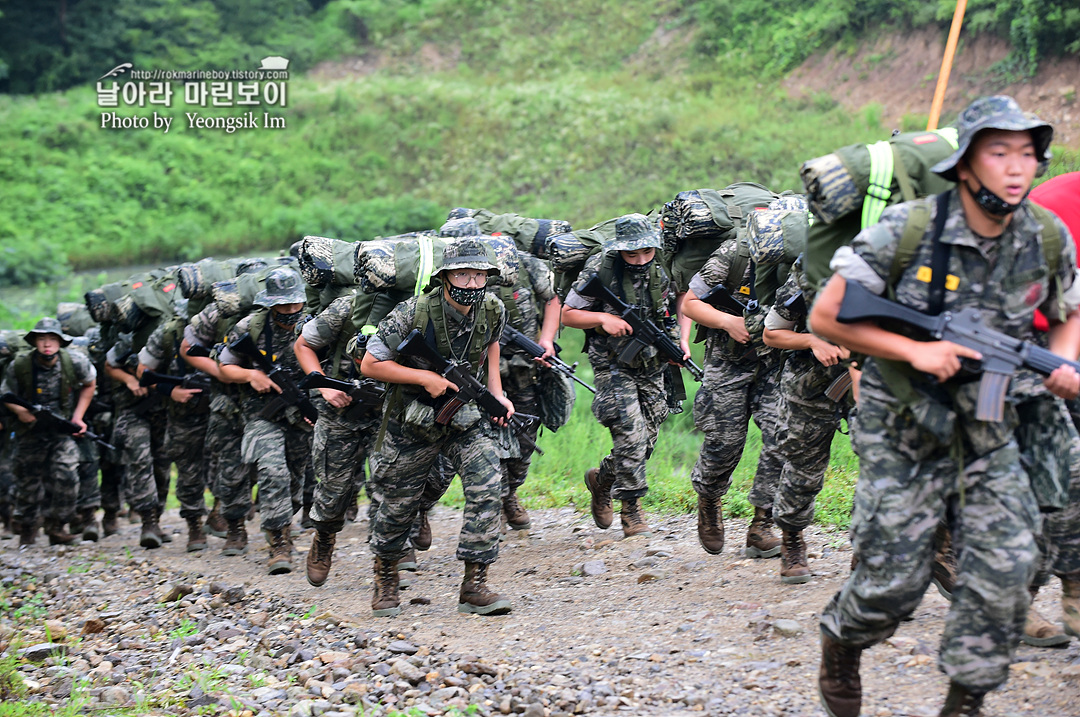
262, 383
437, 384
22, 414
509, 410
735, 326
549, 350
132, 384
614, 325
1064, 382
826, 353
336, 398
81, 424
183, 395
941, 359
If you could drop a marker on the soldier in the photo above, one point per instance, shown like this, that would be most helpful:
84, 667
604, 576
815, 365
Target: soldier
279, 446
740, 382
808, 419
11, 342
462, 322
922, 452
63, 382
631, 399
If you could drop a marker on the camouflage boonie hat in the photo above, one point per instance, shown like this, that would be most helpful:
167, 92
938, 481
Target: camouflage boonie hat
633, 232
468, 253
996, 112
48, 325
460, 227
283, 286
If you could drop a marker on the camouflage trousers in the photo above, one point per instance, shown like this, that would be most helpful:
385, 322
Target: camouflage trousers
7, 466
908, 482
229, 478
631, 403
524, 393
400, 476
1060, 542
46, 477
89, 467
186, 446
729, 395
338, 451
808, 421
281, 454
140, 440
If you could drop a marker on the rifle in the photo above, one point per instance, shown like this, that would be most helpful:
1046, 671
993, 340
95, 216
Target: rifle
513, 337
52, 422
469, 389
366, 394
197, 381
1001, 354
645, 332
291, 394
720, 298
839, 387
198, 351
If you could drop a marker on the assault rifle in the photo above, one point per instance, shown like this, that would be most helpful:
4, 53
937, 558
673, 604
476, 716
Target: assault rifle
1001, 354
52, 422
513, 337
645, 332
198, 351
720, 298
366, 394
469, 389
840, 385
291, 394
196, 381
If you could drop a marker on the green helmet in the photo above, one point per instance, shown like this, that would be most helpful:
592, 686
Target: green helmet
634, 232
997, 112
47, 325
468, 253
283, 286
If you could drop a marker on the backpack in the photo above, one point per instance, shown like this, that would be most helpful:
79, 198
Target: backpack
196, 280
327, 262
867, 177
406, 262
775, 238
529, 235
557, 396
569, 251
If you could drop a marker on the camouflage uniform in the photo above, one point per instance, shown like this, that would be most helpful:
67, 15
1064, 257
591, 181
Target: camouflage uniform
740, 382
47, 463
808, 418
11, 342
279, 447
413, 442
911, 433
631, 400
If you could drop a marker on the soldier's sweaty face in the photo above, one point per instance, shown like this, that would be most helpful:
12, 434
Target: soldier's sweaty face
638, 257
47, 345
1003, 161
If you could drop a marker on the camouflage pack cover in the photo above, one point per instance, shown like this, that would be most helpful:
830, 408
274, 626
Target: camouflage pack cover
11, 343
530, 235
557, 397
101, 302
324, 261
393, 263
154, 292
235, 297
196, 280
74, 318
778, 234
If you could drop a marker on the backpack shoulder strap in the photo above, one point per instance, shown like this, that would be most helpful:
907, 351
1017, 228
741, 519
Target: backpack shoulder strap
1051, 236
914, 230
24, 375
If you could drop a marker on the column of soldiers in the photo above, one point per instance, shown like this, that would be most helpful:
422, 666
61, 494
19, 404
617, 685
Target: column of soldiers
941, 494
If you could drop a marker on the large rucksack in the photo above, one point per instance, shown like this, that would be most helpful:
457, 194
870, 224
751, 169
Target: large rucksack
530, 235
406, 262
850, 188
775, 238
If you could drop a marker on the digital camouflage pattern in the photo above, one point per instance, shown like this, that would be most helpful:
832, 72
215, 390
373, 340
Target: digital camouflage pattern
907, 445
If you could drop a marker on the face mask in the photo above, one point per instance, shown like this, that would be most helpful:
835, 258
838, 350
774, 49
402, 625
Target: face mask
639, 268
287, 319
991, 203
466, 296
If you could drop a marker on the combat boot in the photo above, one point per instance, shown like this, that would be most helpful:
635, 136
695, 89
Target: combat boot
27, 532
90, 529
475, 596
422, 541
109, 524
384, 600
516, 516
280, 542
57, 535
710, 524
839, 684
320, 557
761, 541
215, 522
633, 522
600, 504
236, 540
1070, 606
7, 529
1038, 631
794, 567
165, 537
943, 570
961, 702
408, 562
150, 537
196, 538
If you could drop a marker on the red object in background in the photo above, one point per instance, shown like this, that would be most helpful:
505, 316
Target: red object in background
1061, 195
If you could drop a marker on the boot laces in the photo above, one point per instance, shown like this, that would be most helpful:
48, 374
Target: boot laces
323, 547
709, 505
844, 663
796, 548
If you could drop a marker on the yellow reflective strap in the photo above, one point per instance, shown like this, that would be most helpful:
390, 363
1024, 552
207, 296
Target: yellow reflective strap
879, 187
369, 330
950, 135
426, 263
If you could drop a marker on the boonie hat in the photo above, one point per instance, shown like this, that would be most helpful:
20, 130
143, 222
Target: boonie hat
47, 325
996, 112
283, 286
467, 253
633, 232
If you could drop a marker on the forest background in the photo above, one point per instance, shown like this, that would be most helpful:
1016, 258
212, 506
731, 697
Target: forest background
400, 109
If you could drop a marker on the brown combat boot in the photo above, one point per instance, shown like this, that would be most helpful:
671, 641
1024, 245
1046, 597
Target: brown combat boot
943, 570
632, 519
353, 511
151, 535
422, 541
475, 596
408, 562
1040, 632
109, 525
1070, 606
27, 531
280, 542
215, 522
236, 541
794, 567
516, 516
839, 684
320, 557
710, 524
761, 541
384, 599
196, 538
600, 504
165, 536
961, 702
57, 535
90, 529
